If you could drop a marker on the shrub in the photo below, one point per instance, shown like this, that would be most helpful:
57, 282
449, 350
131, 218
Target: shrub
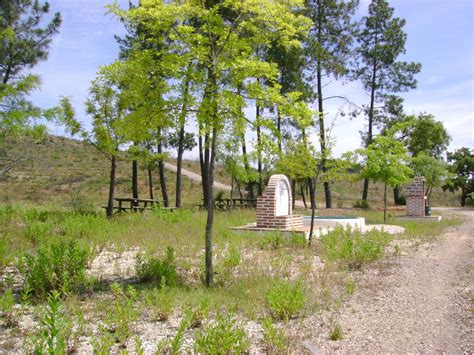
274, 338
336, 332
352, 248
122, 313
160, 302
154, 269
286, 299
364, 204
55, 329
198, 313
7, 313
222, 337
228, 265
56, 266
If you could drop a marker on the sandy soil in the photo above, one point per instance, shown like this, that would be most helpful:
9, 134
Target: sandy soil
422, 304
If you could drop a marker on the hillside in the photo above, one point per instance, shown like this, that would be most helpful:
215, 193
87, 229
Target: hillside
61, 171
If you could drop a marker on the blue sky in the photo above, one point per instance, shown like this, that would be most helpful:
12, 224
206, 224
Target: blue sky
440, 36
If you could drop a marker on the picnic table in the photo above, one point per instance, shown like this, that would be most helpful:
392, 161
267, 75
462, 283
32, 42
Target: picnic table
232, 203
126, 204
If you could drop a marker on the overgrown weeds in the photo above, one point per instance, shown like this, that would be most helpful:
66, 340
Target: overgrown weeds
286, 299
351, 248
155, 270
57, 266
223, 336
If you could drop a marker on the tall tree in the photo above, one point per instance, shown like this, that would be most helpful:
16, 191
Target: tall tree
24, 42
461, 166
385, 160
329, 47
215, 34
382, 41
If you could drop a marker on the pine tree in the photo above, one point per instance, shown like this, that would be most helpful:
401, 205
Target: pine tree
382, 41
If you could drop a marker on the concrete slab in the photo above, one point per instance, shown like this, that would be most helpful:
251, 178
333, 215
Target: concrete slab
422, 219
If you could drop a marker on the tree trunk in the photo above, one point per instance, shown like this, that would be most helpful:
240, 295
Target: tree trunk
182, 122
463, 197
135, 179
259, 152
365, 193
312, 196
161, 171
110, 202
179, 164
279, 129
150, 181
293, 193
203, 172
247, 167
322, 133
385, 203
303, 195
396, 195
210, 213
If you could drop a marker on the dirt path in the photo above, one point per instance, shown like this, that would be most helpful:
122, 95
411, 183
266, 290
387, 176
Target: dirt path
196, 177
421, 305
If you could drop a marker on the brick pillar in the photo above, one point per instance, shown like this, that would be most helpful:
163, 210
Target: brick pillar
416, 197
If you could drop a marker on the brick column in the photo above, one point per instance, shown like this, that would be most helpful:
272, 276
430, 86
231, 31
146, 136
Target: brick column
416, 197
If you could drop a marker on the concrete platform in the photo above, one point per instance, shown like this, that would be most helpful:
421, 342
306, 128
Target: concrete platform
421, 219
318, 230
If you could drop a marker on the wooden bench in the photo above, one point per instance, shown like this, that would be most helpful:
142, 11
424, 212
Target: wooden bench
126, 204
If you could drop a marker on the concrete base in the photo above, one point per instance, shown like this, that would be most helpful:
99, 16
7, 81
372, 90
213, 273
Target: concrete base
303, 230
421, 219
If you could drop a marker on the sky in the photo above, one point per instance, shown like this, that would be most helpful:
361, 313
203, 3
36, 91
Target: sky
440, 36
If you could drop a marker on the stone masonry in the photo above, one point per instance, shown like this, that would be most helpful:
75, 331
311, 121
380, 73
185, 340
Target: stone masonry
416, 197
268, 206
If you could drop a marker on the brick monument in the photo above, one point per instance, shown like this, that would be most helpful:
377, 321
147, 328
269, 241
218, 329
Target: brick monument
416, 197
274, 208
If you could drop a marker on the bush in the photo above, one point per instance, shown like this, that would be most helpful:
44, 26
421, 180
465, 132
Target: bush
364, 204
122, 313
274, 338
352, 248
286, 299
57, 266
154, 269
222, 337
160, 302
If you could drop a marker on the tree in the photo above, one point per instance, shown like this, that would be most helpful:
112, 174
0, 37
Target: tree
108, 110
220, 36
462, 169
385, 160
427, 136
382, 40
434, 171
23, 44
329, 45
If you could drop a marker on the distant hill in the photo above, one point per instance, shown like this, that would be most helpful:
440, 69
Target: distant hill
59, 170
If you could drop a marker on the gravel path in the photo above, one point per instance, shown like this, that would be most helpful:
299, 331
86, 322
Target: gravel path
196, 177
421, 305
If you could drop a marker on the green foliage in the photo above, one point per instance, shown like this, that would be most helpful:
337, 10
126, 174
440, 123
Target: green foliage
228, 264
173, 346
7, 312
55, 329
432, 169
427, 136
122, 313
58, 266
364, 204
223, 336
286, 299
23, 43
160, 302
461, 166
196, 314
336, 333
103, 342
350, 286
155, 270
351, 248
274, 338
